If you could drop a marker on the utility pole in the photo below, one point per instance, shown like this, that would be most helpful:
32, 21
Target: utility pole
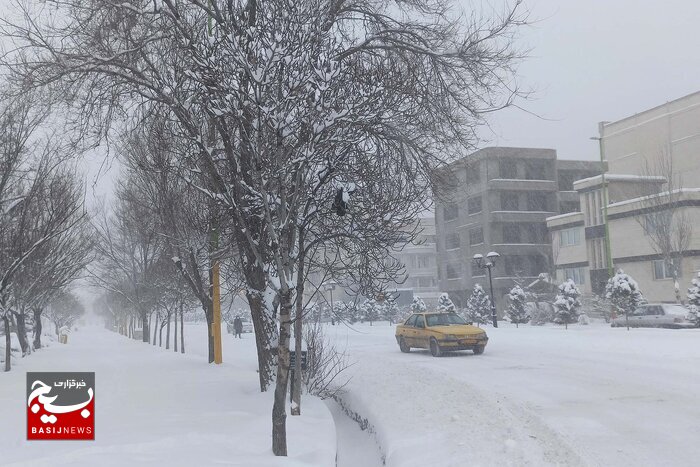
604, 193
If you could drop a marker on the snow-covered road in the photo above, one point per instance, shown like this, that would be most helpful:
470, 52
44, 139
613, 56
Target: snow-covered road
590, 395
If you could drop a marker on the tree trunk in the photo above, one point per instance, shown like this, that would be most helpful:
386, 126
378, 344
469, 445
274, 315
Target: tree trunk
209, 313
167, 333
160, 335
182, 329
144, 322
8, 342
298, 317
279, 413
37, 328
175, 332
22, 334
154, 330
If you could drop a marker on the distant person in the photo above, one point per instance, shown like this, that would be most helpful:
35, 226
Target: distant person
237, 327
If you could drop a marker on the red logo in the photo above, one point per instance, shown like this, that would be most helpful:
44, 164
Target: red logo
60, 405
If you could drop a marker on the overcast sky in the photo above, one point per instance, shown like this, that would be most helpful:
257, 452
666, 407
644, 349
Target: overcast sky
596, 60
590, 60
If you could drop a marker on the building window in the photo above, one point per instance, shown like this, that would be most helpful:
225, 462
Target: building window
424, 282
473, 172
535, 170
536, 202
570, 237
452, 241
597, 212
450, 212
423, 261
566, 181
589, 209
664, 270
509, 201
536, 233
452, 271
476, 236
474, 205
477, 271
511, 233
507, 168
578, 275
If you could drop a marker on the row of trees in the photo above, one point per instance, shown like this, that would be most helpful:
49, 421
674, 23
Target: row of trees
622, 294
45, 240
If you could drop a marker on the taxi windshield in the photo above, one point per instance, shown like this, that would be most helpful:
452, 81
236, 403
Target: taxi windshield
444, 319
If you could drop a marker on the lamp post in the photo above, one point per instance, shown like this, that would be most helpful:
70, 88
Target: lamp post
488, 264
604, 193
330, 286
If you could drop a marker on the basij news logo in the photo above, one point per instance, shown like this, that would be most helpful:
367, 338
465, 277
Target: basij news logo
60, 405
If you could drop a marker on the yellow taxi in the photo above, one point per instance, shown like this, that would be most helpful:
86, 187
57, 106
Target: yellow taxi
440, 332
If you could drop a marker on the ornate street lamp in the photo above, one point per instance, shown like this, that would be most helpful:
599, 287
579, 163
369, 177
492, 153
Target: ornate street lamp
488, 264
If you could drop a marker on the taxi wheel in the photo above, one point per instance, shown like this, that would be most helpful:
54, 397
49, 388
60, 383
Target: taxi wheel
478, 350
435, 349
403, 346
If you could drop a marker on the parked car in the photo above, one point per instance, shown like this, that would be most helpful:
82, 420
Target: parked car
656, 315
440, 332
247, 325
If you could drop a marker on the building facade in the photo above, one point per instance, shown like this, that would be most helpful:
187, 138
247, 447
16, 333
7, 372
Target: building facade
497, 199
420, 261
643, 153
671, 129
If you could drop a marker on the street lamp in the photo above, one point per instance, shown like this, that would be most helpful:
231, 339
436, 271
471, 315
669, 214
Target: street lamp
488, 264
330, 286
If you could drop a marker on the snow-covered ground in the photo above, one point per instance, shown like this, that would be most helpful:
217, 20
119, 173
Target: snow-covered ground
155, 407
589, 395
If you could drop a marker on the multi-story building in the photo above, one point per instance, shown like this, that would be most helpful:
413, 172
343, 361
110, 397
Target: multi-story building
420, 260
497, 199
643, 152
419, 277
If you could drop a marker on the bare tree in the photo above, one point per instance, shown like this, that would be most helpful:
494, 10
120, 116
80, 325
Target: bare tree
664, 218
64, 309
300, 100
40, 203
129, 251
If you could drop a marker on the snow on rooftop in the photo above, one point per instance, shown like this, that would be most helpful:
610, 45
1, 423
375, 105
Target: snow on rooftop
562, 216
621, 178
655, 195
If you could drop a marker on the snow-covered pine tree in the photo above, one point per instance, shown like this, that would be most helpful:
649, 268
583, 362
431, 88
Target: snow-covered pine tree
478, 308
445, 305
516, 311
567, 303
694, 300
370, 310
623, 293
418, 305
390, 311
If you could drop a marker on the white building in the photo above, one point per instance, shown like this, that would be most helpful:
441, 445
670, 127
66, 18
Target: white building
633, 148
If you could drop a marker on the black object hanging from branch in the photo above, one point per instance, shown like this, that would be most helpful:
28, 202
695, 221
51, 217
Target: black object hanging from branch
339, 204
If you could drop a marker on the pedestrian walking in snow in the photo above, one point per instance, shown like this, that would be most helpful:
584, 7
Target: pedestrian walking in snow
237, 327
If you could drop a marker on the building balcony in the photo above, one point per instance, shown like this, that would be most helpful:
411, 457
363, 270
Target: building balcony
522, 185
520, 216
